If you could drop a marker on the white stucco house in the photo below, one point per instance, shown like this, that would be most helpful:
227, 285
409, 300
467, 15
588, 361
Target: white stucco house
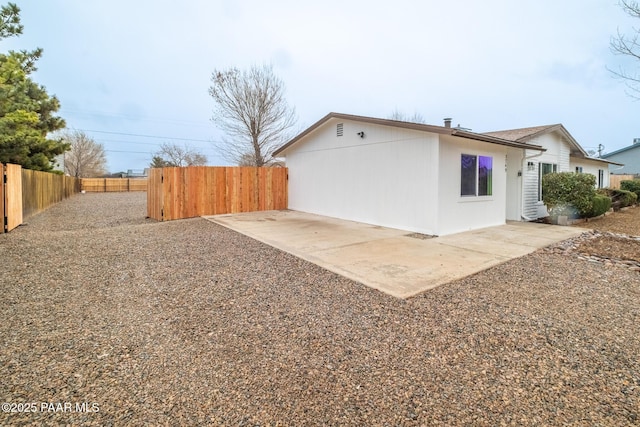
428, 179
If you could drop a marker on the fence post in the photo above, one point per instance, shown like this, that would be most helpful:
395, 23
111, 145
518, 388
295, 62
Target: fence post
3, 212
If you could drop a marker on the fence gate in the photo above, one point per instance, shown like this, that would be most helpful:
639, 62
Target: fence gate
11, 196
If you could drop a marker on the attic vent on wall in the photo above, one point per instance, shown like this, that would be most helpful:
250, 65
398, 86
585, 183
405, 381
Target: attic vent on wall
339, 129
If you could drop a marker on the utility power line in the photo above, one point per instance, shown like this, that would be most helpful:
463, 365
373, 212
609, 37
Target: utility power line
128, 116
145, 136
126, 151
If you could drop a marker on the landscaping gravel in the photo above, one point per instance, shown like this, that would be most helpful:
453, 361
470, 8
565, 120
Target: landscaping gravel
189, 323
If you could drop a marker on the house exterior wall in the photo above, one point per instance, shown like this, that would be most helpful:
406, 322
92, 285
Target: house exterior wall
530, 206
387, 178
514, 184
458, 213
592, 167
630, 158
564, 158
558, 151
411, 179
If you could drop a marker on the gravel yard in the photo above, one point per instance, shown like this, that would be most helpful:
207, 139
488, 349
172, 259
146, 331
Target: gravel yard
188, 323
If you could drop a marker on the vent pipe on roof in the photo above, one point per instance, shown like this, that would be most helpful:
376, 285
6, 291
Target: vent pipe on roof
636, 140
447, 122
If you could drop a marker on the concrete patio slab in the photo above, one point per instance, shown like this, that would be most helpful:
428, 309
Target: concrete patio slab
388, 259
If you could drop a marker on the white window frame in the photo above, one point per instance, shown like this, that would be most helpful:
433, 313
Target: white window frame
554, 167
600, 178
477, 177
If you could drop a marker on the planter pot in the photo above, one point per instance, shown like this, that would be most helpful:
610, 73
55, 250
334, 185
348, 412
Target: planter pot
562, 220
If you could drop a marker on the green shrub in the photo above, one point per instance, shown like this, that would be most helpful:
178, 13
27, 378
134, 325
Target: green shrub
600, 205
619, 198
626, 198
568, 192
632, 185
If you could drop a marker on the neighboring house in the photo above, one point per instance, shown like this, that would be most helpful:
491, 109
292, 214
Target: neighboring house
58, 163
630, 156
428, 179
137, 173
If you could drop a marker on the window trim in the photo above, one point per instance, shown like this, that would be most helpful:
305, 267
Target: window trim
554, 167
476, 178
600, 178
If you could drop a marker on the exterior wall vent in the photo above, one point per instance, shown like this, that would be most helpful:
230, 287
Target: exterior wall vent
340, 129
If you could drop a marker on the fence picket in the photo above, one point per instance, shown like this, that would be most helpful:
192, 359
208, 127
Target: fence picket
107, 185
615, 180
27, 192
177, 193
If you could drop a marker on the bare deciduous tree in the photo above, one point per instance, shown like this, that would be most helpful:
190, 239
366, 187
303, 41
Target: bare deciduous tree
629, 46
252, 111
173, 155
86, 158
400, 116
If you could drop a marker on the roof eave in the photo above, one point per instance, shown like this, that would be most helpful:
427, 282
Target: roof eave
552, 128
566, 134
543, 131
599, 159
407, 125
496, 140
302, 134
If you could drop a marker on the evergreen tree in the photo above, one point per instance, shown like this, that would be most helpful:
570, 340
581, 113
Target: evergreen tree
27, 112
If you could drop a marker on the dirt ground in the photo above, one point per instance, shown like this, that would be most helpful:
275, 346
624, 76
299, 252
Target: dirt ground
626, 223
110, 319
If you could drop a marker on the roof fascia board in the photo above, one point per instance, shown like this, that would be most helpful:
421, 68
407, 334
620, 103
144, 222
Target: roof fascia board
544, 131
622, 150
558, 127
407, 125
494, 140
598, 159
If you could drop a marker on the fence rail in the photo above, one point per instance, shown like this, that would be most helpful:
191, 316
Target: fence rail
102, 185
615, 180
177, 193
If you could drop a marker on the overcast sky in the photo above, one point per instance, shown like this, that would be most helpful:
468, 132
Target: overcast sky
127, 68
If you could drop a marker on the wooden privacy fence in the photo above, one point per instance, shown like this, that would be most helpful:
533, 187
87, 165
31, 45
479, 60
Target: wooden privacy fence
26, 192
43, 189
177, 193
102, 185
615, 180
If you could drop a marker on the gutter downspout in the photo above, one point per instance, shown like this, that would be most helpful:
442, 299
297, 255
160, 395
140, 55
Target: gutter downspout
524, 157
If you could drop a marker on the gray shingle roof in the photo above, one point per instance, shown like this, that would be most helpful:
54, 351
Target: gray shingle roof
523, 134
